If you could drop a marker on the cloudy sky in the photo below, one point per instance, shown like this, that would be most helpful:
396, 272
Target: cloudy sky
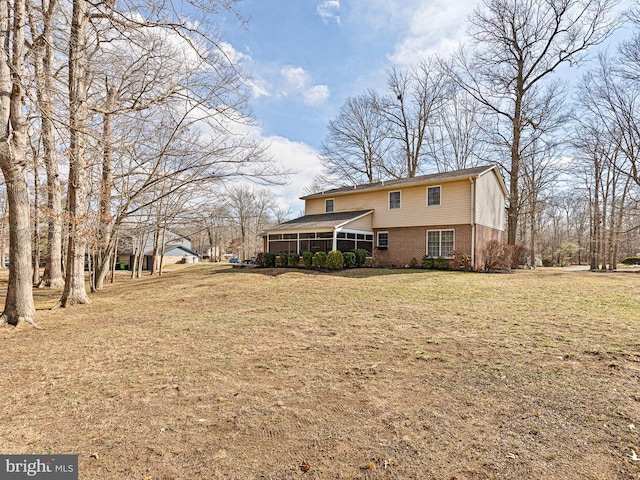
306, 57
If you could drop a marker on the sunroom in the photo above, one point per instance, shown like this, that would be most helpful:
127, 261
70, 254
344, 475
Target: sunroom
342, 231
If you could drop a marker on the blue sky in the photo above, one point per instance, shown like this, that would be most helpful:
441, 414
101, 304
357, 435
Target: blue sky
306, 57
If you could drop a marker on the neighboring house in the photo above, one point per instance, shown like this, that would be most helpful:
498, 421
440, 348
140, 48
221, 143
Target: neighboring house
177, 249
402, 219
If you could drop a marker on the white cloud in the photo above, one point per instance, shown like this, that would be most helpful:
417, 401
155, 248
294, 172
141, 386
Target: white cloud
421, 27
436, 27
316, 95
299, 158
298, 82
328, 10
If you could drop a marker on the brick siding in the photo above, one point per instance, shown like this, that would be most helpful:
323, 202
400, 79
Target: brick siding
411, 242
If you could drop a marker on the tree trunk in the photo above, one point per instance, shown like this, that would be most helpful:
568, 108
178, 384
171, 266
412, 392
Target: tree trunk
19, 304
52, 276
75, 290
105, 220
35, 279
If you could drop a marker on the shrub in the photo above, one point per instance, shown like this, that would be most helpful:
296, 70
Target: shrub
293, 260
427, 262
269, 259
307, 259
319, 260
494, 257
518, 255
413, 263
440, 264
631, 261
461, 261
335, 260
284, 259
547, 262
349, 259
361, 256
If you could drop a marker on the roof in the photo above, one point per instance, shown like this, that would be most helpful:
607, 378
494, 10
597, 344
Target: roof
321, 221
432, 178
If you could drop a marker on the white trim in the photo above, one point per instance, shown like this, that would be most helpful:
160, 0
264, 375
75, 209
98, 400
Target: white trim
434, 186
389, 200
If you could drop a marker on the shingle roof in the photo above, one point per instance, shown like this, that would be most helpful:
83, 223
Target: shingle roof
321, 221
434, 177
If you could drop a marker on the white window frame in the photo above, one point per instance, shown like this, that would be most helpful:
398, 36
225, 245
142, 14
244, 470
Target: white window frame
434, 205
389, 200
378, 240
440, 242
333, 209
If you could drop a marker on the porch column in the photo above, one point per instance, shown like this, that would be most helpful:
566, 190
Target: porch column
335, 239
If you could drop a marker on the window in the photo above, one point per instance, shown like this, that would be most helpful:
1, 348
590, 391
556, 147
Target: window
433, 196
328, 205
394, 200
383, 239
440, 243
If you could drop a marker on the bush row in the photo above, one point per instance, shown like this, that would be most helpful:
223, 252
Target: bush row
334, 260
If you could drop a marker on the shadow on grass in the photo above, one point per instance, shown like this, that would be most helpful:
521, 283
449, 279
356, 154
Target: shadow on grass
366, 272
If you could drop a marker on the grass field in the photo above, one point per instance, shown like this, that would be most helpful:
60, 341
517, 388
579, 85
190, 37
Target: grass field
213, 373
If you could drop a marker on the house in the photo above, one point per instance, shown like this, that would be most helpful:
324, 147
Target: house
177, 249
432, 215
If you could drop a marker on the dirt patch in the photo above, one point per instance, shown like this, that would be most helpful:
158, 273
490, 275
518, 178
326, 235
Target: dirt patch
279, 374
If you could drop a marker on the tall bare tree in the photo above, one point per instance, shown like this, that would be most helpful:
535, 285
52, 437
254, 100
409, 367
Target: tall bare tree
19, 304
413, 104
74, 289
518, 45
355, 148
41, 23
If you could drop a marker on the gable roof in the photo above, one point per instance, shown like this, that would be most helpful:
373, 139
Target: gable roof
320, 221
431, 178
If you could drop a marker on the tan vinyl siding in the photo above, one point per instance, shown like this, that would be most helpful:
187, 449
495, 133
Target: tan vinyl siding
362, 224
455, 205
490, 202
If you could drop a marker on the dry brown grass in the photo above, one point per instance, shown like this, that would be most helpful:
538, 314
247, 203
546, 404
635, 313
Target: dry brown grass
211, 373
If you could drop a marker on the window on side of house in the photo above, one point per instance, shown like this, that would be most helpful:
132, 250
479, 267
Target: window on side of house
440, 243
329, 204
383, 240
394, 200
433, 196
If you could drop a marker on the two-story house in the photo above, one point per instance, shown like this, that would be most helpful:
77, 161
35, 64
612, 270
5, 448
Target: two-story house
402, 219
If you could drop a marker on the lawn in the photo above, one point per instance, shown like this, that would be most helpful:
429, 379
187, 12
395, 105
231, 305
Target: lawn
214, 373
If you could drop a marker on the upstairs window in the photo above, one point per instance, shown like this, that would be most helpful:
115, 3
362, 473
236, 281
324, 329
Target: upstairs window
394, 200
328, 205
433, 196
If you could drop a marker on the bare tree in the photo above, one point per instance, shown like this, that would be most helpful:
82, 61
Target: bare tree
458, 138
413, 104
74, 289
518, 45
249, 207
41, 24
358, 141
19, 304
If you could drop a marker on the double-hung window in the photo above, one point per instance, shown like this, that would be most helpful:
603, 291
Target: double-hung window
383, 240
440, 243
394, 200
433, 196
329, 204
